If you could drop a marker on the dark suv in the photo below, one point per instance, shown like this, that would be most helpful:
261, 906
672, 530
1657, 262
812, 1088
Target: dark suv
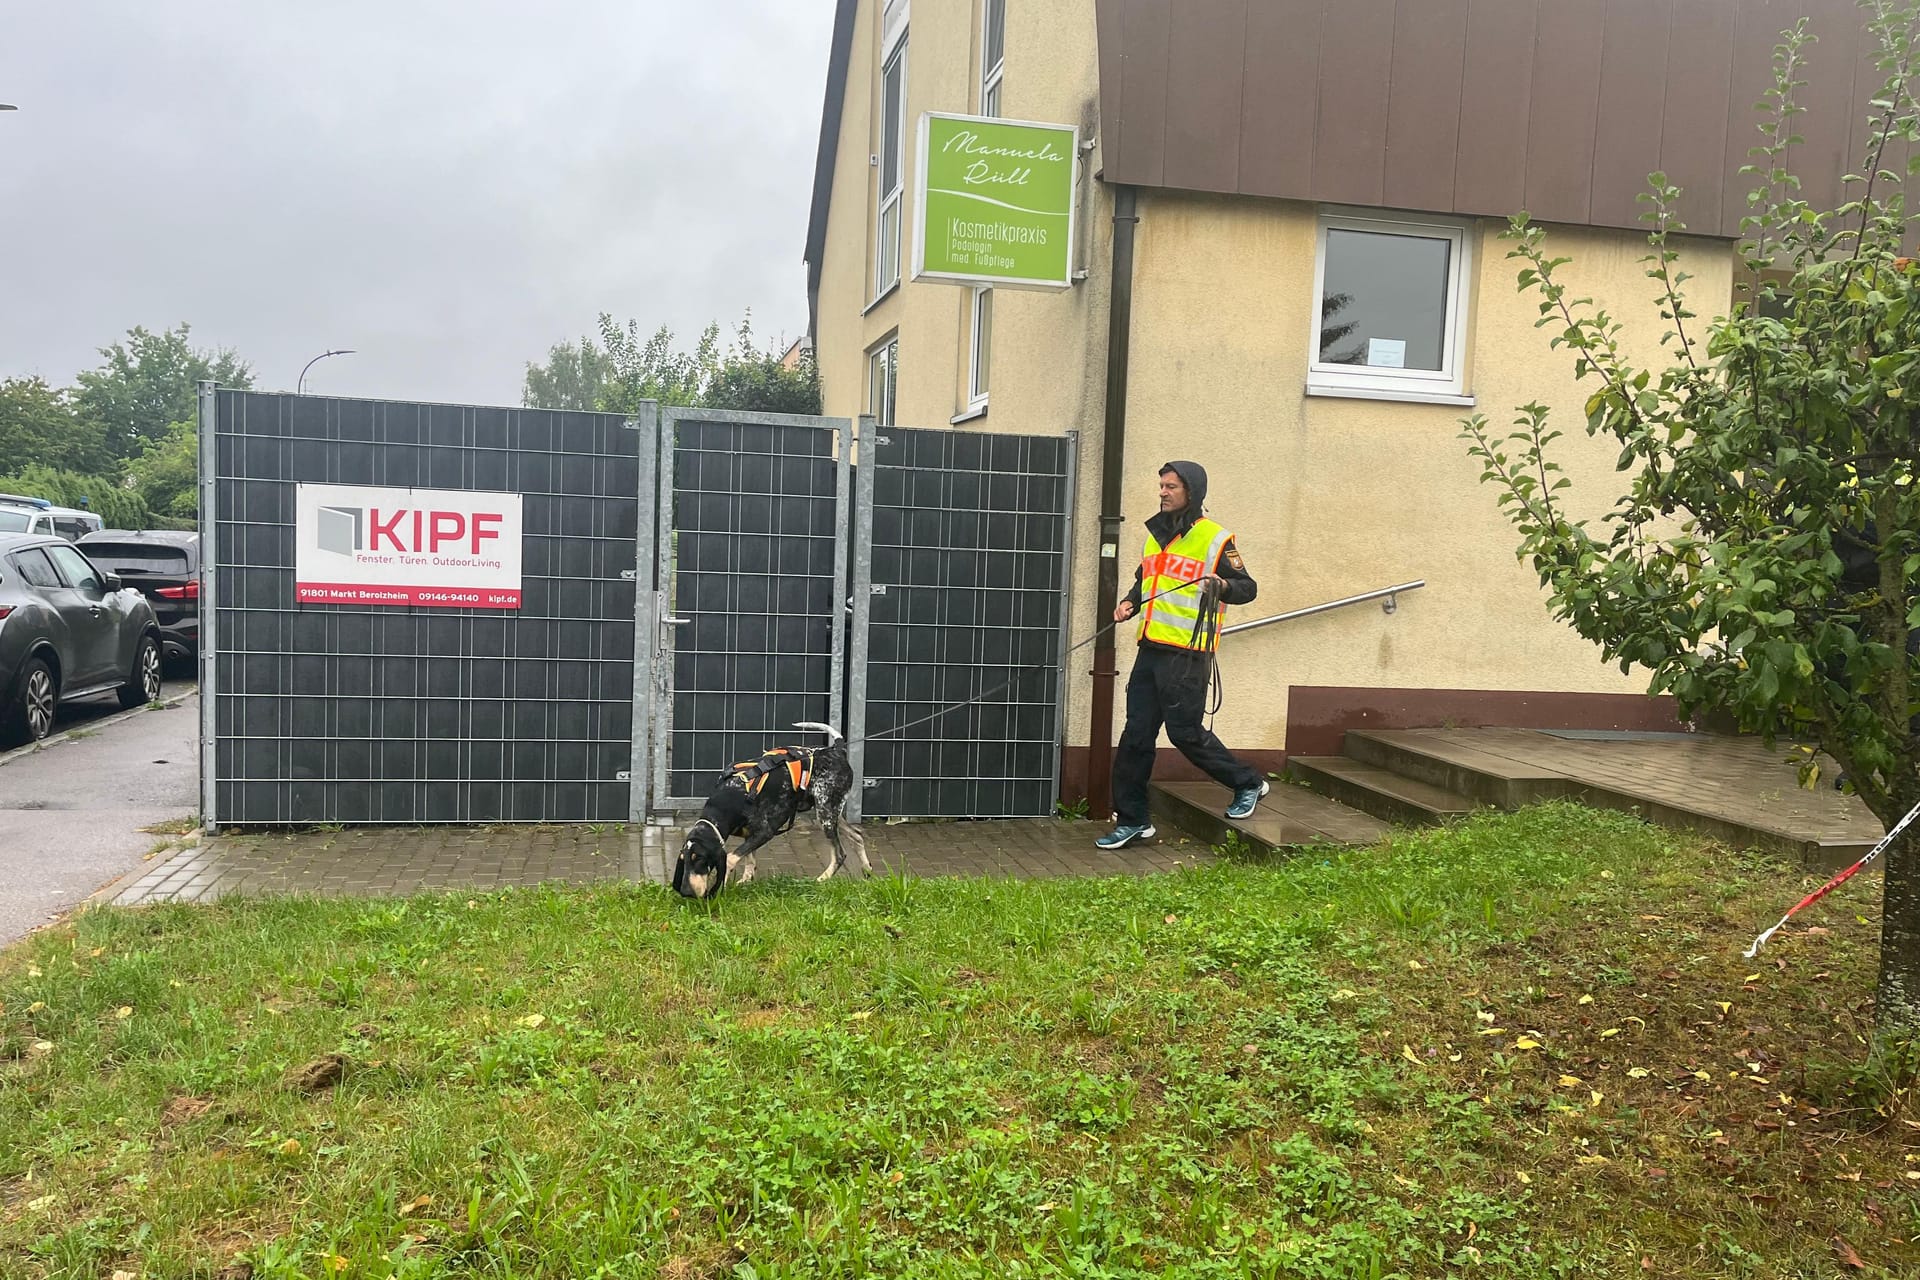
165, 567
67, 630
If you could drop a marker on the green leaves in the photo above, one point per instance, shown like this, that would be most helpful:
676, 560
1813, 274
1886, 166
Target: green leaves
1759, 555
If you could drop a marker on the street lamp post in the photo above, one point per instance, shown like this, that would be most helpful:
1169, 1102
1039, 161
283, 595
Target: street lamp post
300, 388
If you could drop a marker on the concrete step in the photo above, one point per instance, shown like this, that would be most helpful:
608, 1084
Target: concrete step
1433, 757
1288, 817
1387, 795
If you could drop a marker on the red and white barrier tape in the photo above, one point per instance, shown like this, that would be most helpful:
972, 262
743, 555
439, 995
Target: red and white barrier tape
1834, 883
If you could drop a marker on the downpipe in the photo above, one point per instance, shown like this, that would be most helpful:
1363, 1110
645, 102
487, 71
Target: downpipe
1112, 466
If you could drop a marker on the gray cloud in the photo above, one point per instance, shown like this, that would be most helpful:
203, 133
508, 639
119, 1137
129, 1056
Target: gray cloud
447, 186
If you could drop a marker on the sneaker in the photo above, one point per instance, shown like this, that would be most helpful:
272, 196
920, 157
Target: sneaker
1246, 799
1122, 836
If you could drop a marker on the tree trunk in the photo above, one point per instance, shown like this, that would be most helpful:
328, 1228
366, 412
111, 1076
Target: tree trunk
1897, 1002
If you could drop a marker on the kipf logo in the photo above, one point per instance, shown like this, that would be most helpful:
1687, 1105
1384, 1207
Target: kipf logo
346, 530
358, 544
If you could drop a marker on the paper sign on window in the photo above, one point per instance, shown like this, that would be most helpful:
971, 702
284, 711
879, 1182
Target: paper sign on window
1387, 353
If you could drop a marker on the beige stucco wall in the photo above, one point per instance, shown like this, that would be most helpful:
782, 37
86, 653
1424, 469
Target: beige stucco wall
1328, 497
1332, 497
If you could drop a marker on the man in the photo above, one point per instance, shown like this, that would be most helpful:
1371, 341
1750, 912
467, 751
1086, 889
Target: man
1189, 571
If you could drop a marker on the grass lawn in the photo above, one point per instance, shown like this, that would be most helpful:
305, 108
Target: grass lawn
1523, 1046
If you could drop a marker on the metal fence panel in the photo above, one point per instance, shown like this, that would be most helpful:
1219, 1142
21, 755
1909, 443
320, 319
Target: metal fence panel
754, 520
962, 567
354, 714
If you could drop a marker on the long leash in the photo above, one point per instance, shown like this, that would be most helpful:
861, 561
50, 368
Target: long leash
1020, 673
1834, 883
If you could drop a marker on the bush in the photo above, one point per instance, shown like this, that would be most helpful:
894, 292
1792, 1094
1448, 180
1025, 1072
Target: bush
120, 507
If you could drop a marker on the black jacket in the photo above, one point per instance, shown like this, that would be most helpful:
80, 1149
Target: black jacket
1165, 526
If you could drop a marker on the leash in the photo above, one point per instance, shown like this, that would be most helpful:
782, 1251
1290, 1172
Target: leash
1834, 883
1020, 673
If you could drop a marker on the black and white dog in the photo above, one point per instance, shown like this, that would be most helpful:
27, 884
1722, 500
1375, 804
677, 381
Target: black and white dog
759, 799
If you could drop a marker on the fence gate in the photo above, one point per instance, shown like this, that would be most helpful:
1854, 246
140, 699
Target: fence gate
960, 592
318, 713
753, 528
684, 600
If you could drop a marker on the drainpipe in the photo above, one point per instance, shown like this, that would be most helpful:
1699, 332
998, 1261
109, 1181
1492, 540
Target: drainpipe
1107, 597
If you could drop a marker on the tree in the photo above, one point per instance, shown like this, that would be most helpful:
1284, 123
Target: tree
40, 427
149, 382
650, 369
167, 472
572, 378
623, 369
755, 378
1763, 559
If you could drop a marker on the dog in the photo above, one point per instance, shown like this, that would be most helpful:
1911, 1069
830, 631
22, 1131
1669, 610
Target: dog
760, 799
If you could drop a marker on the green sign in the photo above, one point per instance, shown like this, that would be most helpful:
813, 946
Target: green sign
996, 202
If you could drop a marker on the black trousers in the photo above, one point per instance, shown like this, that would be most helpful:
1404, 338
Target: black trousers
1169, 686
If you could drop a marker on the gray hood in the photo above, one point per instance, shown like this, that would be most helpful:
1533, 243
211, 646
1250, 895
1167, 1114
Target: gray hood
1166, 526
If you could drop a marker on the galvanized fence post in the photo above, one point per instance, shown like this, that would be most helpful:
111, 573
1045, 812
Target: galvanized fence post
209, 607
861, 591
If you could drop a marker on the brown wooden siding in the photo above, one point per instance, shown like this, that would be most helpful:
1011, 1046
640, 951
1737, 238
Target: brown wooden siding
1558, 107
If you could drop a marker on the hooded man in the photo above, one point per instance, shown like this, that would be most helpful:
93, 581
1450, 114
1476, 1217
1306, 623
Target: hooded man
1189, 572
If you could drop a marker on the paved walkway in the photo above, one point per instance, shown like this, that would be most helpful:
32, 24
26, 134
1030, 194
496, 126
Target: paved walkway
393, 861
1737, 789
75, 809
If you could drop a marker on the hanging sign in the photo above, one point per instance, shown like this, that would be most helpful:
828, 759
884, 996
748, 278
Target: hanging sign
433, 548
995, 202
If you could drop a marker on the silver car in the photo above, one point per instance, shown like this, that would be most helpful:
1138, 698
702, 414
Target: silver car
67, 630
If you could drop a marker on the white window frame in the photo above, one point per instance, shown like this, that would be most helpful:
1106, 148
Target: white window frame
883, 380
991, 76
1444, 386
891, 203
977, 387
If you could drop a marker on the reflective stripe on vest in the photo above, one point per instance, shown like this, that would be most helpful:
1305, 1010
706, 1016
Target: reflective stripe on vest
1174, 619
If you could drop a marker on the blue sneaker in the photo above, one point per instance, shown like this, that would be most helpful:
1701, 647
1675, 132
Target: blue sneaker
1123, 835
1246, 800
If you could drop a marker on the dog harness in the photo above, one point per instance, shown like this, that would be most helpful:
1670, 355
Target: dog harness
797, 761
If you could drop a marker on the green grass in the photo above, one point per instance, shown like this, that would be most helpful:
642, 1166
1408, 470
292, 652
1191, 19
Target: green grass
1463, 1052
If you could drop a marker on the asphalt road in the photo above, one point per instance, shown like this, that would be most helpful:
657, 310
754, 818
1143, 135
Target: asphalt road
73, 813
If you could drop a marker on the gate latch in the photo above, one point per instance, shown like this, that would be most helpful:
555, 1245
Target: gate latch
625, 775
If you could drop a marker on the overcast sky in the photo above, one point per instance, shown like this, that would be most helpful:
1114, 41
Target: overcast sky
447, 186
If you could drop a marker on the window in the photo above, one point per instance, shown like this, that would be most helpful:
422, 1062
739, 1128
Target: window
1750, 292
883, 381
893, 143
73, 528
993, 54
1391, 316
14, 521
980, 365
35, 569
74, 568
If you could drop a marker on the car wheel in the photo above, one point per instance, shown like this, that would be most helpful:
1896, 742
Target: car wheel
29, 716
143, 682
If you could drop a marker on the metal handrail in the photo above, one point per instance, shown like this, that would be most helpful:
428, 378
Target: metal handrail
1386, 593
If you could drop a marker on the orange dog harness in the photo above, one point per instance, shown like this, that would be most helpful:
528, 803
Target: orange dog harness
797, 761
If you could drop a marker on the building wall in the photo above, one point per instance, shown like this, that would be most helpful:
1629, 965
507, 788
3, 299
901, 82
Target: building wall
1328, 497
1333, 497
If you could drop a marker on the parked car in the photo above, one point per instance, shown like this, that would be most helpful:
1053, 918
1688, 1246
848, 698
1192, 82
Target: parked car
36, 515
67, 630
164, 566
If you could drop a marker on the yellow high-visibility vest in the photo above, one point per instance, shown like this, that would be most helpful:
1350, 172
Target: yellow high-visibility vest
1174, 618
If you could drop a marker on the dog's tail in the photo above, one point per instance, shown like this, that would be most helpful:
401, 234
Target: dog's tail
833, 734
